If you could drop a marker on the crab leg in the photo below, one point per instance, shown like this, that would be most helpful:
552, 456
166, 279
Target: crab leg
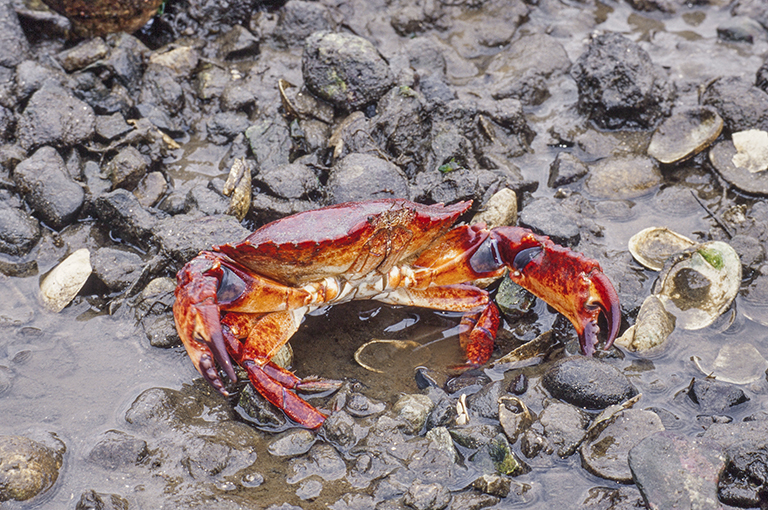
264, 335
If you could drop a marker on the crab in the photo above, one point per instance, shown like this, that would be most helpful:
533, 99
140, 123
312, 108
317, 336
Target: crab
243, 302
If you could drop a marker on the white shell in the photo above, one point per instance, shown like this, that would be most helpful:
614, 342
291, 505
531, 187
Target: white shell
64, 281
652, 246
698, 284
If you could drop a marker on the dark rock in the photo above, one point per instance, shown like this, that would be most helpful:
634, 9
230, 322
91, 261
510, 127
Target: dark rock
118, 450
153, 311
745, 480
365, 177
150, 189
31, 76
605, 452
126, 59
340, 430
549, 217
674, 472
127, 168
607, 498
485, 402
224, 126
740, 29
344, 69
117, 268
27, 468
270, 142
92, 500
525, 66
48, 189
565, 169
55, 117
184, 236
297, 20
750, 250
19, 232
741, 104
715, 397
121, 211
258, 410
361, 406
452, 182
322, 460
587, 382
565, 426
203, 199
11, 37
294, 180
619, 86
112, 126
159, 87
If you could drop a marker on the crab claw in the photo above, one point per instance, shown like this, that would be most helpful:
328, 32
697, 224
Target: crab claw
198, 319
569, 282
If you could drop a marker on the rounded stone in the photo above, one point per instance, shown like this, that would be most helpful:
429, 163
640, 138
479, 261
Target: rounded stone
588, 383
363, 177
345, 69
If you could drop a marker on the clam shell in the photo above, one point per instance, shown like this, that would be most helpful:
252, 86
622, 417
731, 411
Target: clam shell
698, 284
64, 281
685, 134
652, 246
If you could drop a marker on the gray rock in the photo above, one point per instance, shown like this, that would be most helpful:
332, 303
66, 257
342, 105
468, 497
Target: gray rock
485, 402
742, 105
605, 452
565, 169
565, 426
587, 382
431, 496
184, 236
721, 157
117, 268
127, 168
151, 189
121, 211
413, 411
118, 450
619, 86
298, 20
715, 397
224, 126
675, 473
48, 189
622, 177
344, 69
363, 177
292, 443
270, 142
322, 460
525, 66
745, 480
474, 435
55, 117
294, 180
549, 217
112, 126
202, 199
11, 37
19, 232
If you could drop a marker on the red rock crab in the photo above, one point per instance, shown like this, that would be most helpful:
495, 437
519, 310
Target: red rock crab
245, 301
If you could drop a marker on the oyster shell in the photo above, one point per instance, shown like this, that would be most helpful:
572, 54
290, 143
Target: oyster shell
652, 246
698, 284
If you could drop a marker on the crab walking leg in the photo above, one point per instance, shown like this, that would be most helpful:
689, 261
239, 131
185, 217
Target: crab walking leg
264, 335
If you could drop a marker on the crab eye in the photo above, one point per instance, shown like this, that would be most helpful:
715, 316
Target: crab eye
231, 286
524, 257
